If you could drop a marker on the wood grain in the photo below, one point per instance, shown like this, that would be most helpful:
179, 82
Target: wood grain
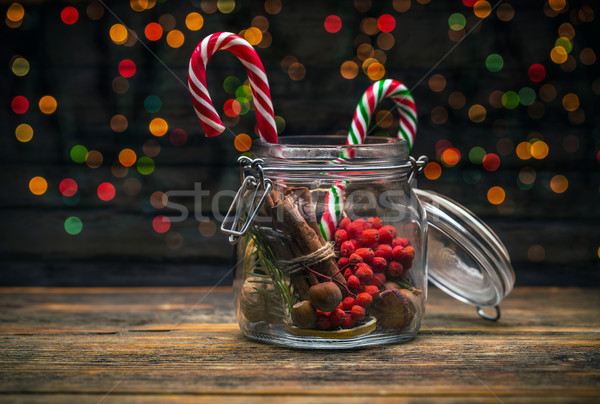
181, 344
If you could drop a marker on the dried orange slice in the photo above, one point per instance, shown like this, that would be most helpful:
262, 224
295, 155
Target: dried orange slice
364, 329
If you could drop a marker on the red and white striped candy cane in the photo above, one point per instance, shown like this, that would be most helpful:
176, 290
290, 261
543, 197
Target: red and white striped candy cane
211, 123
379, 90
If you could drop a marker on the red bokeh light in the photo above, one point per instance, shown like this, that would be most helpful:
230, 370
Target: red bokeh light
68, 187
232, 108
491, 162
469, 3
127, 68
386, 23
19, 104
451, 156
537, 72
106, 191
69, 15
161, 224
153, 31
178, 137
332, 24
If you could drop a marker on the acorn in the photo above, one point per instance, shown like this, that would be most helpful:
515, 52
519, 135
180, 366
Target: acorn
395, 308
325, 296
304, 314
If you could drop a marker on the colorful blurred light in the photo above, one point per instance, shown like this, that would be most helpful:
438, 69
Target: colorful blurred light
558, 54
457, 100
119, 123
482, 9
73, 225
526, 96
457, 21
451, 156
386, 23
24, 133
476, 155
253, 35
537, 72
38, 185
158, 127
78, 153
178, 137
161, 224
510, 100
496, 195
127, 68
477, 113
194, 21
332, 24
437, 83
570, 102
491, 162
145, 165
48, 104
118, 34
152, 104
559, 184
242, 142
494, 63
175, 38
226, 6
19, 104
106, 191
69, 15
432, 171
539, 149
68, 187
349, 70
153, 31
523, 150
232, 108
20, 66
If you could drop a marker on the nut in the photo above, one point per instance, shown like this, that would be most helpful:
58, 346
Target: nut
325, 296
304, 314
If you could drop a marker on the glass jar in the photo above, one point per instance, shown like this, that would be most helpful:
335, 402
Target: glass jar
333, 251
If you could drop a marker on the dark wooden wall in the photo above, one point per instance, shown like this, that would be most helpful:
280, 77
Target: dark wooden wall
76, 64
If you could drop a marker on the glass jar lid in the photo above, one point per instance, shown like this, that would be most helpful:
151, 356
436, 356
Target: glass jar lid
466, 259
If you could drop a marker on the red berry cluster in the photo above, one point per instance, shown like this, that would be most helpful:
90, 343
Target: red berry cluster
370, 254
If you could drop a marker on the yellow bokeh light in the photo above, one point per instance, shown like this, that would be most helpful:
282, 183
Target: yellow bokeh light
349, 70
242, 142
570, 102
557, 5
24, 133
38, 185
15, 12
48, 104
376, 71
559, 184
127, 157
118, 34
175, 38
194, 21
20, 67
496, 195
524, 150
539, 149
226, 6
477, 113
482, 9
158, 127
253, 35
558, 54
432, 171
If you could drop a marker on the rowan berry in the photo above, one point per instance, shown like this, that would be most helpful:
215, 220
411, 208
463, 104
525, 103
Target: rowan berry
323, 321
363, 272
409, 252
348, 302
399, 241
343, 262
378, 264
373, 290
344, 223
378, 279
340, 236
387, 234
364, 299
398, 253
375, 222
353, 282
347, 248
383, 251
365, 253
348, 272
358, 312
355, 259
356, 228
395, 269
369, 237
337, 317
348, 322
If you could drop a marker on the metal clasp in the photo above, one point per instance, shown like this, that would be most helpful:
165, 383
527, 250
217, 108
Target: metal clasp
491, 317
417, 166
252, 179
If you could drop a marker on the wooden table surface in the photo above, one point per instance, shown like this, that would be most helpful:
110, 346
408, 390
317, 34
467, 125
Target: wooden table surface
182, 345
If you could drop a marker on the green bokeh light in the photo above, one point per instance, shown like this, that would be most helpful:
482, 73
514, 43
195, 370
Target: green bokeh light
476, 155
510, 100
565, 43
243, 91
494, 62
230, 84
457, 21
245, 104
280, 123
79, 153
73, 225
152, 103
145, 165
526, 96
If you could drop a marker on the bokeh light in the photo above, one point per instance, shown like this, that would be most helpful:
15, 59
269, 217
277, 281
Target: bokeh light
232, 108
127, 68
386, 23
94, 159
432, 171
226, 6
332, 24
20, 66
457, 21
496, 195
450, 156
558, 54
153, 31
539, 149
106, 191
73, 225
15, 12
570, 102
491, 162
457, 100
161, 224
505, 12
48, 104
557, 5
38, 185
118, 123
349, 70
95, 11
537, 72
158, 127
559, 184
152, 103
253, 35
127, 157
510, 100
477, 113
494, 62
385, 41
297, 71
587, 56
523, 150
439, 115
19, 104
208, 228
158, 200
437, 83
118, 34
145, 165
526, 96
24, 133
68, 187
548, 92
565, 43
375, 71
482, 9
369, 26
175, 38
69, 15
242, 142
194, 21
476, 155
78, 153
527, 175
178, 137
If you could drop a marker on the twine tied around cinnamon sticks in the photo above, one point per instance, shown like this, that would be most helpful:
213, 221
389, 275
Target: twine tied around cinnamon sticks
292, 266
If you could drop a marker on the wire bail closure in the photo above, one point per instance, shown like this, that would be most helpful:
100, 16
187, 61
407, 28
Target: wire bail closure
418, 165
253, 179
